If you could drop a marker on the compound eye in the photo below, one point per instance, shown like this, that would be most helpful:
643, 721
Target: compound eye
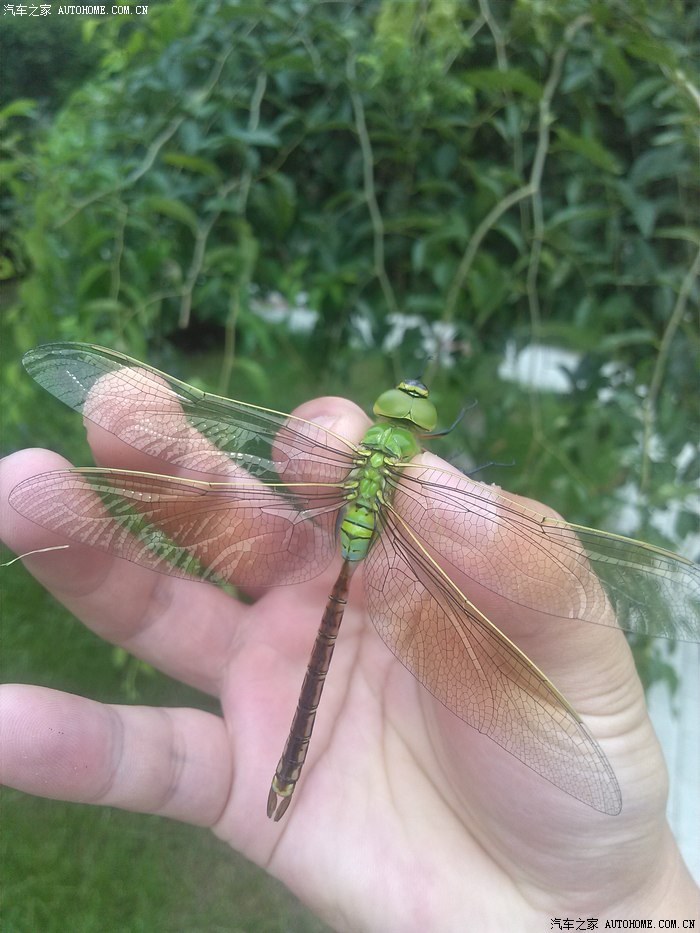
424, 414
393, 404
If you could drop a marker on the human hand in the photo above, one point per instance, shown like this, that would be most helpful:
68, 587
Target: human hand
405, 818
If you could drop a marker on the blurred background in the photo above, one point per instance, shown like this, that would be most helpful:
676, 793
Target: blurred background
276, 199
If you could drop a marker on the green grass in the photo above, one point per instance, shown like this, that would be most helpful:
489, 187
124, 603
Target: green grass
98, 870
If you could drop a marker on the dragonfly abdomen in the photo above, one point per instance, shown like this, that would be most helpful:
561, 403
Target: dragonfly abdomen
294, 754
356, 531
367, 491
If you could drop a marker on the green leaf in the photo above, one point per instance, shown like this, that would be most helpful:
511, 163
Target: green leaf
654, 50
89, 28
22, 107
514, 79
655, 164
9, 168
280, 194
169, 207
591, 149
643, 90
691, 234
617, 66
260, 137
611, 343
418, 255
225, 257
107, 306
512, 233
644, 213
255, 372
446, 159
7, 269
577, 212
192, 164
91, 275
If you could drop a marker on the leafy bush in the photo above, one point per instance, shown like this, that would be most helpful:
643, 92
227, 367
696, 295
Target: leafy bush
446, 175
43, 57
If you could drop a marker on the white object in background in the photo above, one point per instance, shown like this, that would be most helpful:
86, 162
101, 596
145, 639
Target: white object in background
539, 367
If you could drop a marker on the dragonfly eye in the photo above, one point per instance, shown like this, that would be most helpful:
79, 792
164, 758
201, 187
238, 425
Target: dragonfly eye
413, 408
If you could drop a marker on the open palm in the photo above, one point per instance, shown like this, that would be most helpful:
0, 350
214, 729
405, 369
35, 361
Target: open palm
405, 817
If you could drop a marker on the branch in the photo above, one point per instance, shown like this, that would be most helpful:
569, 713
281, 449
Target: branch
253, 124
475, 242
657, 377
531, 189
545, 121
370, 190
200, 245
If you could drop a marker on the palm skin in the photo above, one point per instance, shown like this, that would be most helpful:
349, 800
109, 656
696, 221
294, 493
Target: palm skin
405, 818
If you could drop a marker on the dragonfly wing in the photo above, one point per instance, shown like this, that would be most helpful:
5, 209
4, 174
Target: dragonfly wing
190, 429
247, 533
545, 564
478, 673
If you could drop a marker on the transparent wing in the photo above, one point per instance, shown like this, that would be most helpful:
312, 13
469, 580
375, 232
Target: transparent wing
244, 533
545, 564
478, 673
144, 408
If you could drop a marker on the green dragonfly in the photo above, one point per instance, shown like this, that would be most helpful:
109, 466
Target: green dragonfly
289, 494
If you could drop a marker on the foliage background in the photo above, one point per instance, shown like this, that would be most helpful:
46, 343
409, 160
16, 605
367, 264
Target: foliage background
280, 199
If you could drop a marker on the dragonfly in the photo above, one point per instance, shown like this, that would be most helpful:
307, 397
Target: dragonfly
280, 497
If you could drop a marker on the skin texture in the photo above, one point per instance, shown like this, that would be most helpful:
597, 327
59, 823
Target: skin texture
405, 818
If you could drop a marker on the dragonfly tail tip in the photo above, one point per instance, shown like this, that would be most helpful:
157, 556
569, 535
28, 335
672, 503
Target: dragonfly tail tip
277, 807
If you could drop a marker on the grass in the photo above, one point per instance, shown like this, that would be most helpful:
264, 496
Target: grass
100, 870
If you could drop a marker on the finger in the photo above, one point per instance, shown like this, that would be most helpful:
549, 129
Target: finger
245, 533
183, 627
172, 762
135, 421
242, 531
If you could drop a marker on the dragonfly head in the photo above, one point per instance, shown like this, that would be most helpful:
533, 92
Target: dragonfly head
408, 402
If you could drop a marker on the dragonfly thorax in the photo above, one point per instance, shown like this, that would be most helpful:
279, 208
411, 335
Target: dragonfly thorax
389, 441
382, 447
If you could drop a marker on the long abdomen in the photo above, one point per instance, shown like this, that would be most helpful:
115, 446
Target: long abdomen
294, 754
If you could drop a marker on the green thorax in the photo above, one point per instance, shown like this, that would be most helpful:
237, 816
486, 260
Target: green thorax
404, 414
